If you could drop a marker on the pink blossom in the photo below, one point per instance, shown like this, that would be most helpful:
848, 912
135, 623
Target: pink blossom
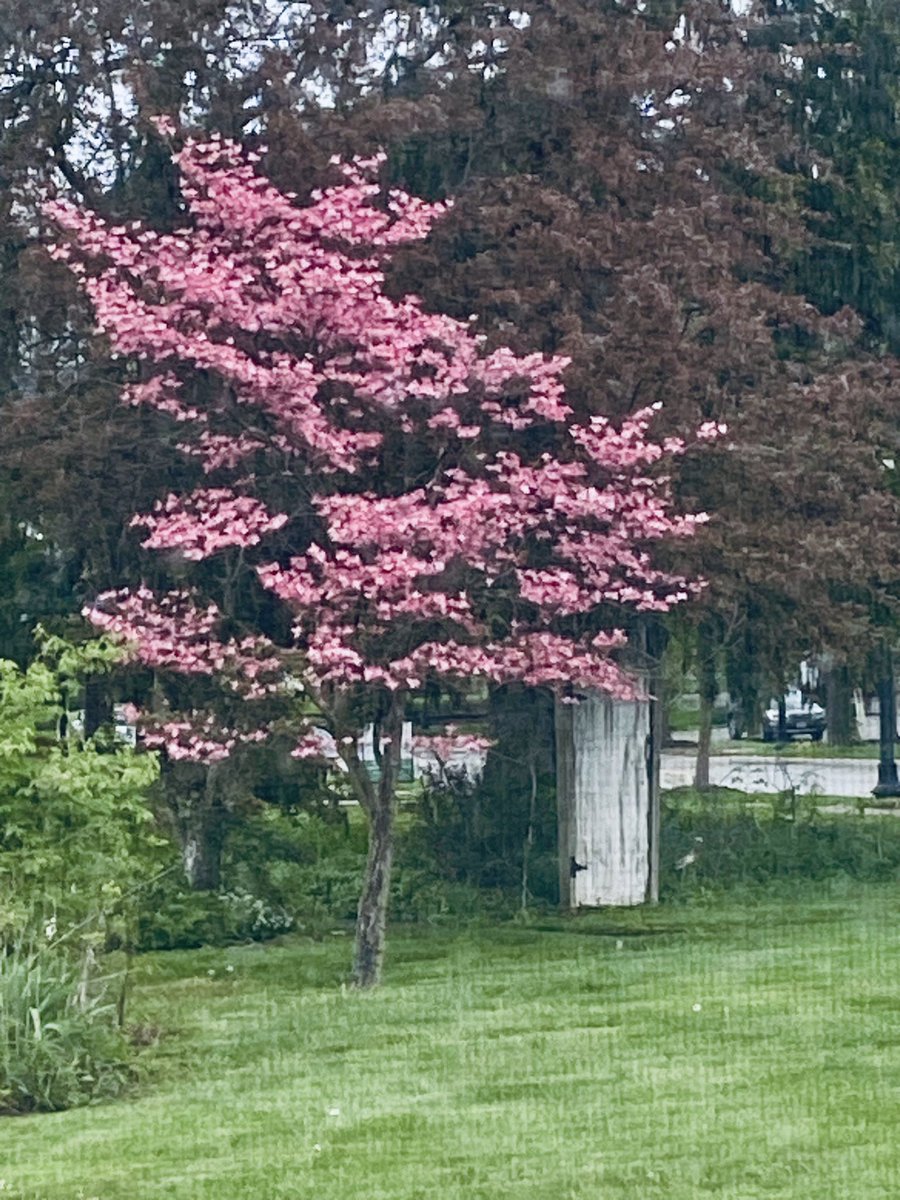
196, 737
316, 744
207, 521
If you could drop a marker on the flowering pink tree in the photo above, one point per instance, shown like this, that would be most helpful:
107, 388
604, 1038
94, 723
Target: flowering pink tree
423, 507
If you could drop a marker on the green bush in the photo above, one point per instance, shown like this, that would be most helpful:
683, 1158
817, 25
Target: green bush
307, 863
301, 870
735, 839
172, 917
77, 834
312, 867
281, 870
59, 1042
274, 854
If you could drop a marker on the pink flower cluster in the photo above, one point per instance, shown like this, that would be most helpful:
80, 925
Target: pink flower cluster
171, 632
206, 521
197, 737
165, 632
445, 746
441, 755
254, 262
316, 744
538, 658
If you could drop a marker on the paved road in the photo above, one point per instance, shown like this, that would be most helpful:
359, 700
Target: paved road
765, 773
853, 778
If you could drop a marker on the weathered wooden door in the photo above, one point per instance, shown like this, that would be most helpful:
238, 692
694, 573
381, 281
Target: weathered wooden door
603, 781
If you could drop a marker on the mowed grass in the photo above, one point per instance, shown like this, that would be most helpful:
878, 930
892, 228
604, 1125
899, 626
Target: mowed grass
738, 1051
795, 749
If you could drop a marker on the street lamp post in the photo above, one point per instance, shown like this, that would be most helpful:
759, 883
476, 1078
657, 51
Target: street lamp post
888, 784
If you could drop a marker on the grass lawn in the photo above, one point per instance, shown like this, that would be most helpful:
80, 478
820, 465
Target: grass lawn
796, 749
733, 1051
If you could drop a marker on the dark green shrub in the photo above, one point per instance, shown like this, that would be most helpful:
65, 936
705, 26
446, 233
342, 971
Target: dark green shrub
735, 839
308, 863
482, 832
329, 889
282, 870
299, 870
175, 918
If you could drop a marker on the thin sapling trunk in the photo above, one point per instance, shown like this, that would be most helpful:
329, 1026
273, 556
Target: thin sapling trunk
379, 802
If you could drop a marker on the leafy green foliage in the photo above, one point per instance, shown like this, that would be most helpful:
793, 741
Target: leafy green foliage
172, 918
307, 862
301, 870
60, 1045
75, 831
76, 843
735, 839
492, 832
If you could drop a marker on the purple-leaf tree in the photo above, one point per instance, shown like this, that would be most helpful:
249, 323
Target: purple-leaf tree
423, 507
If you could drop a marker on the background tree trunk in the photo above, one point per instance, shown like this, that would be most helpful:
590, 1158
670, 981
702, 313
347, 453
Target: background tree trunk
838, 706
655, 641
504, 805
98, 707
704, 742
202, 850
196, 796
603, 801
888, 786
708, 681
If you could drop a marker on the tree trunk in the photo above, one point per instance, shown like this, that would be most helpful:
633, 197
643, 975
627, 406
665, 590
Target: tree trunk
888, 786
704, 744
379, 802
529, 833
655, 640
371, 920
838, 706
98, 708
708, 680
196, 797
603, 801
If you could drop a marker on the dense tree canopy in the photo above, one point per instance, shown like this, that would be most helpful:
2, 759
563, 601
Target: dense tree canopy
630, 182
